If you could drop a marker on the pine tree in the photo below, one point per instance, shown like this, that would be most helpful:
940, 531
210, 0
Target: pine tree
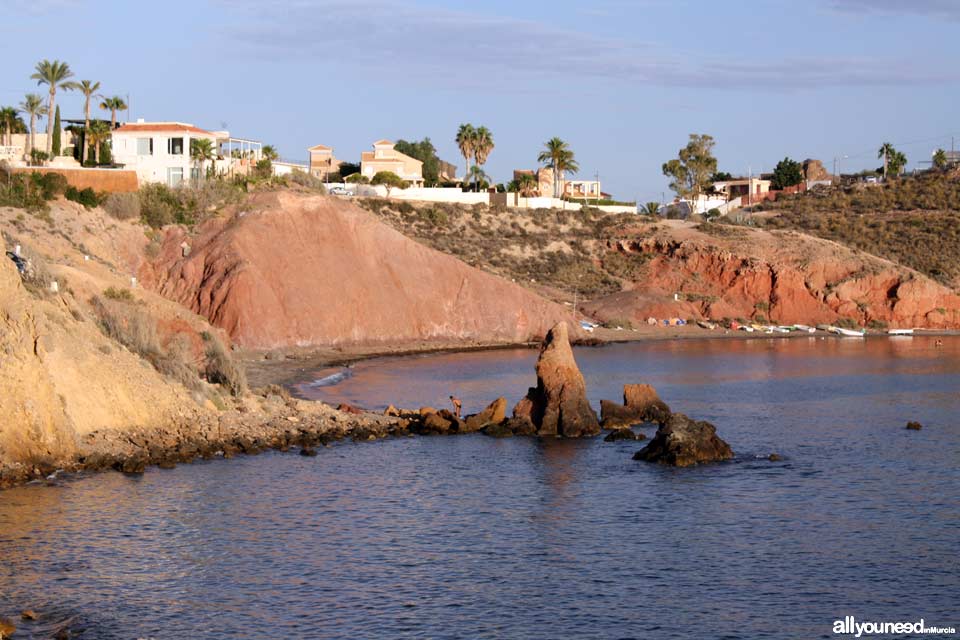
56, 133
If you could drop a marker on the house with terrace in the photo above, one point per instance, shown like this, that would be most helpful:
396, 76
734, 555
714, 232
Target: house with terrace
160, 151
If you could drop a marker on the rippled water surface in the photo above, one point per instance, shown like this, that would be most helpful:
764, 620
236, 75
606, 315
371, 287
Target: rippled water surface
471, 537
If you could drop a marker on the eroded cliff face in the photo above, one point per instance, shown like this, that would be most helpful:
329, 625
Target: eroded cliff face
785, 278
289, 270
62, 379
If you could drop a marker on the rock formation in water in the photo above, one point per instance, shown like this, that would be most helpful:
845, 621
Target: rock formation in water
682, 442
495, 413
289, 270
640, 404
558, 405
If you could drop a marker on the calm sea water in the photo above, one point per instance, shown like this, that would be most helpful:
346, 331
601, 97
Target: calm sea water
471, 537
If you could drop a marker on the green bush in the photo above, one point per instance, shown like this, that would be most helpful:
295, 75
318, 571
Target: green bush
87, 197
122, 295
307, 180
50, 184
159, 205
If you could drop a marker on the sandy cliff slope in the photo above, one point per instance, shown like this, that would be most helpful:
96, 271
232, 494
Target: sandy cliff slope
288, 270
61, 378
718, 271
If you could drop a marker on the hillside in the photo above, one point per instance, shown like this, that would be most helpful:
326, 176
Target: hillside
625, 269
284, 269
913, 221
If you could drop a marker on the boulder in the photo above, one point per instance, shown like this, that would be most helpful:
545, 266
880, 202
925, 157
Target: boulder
349, 408
495, 413
435, 423
914, 426
391, 411
425, 411
683, 442
640, 404
558, 405
6, 627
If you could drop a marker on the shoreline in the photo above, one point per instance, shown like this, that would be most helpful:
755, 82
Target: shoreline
284, 367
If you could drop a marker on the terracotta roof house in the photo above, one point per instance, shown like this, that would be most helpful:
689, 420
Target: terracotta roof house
322, 162
385, 158
160, 151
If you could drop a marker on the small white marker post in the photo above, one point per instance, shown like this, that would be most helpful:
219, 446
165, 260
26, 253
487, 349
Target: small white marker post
133, 282
55, 286
16, 250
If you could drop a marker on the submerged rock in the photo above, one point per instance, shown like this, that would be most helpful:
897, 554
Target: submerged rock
308, 451
914, 426
558, 405
683, 442
623, 434
774, 457
6, 627
498, 431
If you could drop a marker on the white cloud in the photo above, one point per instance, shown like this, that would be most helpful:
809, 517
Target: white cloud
474, 49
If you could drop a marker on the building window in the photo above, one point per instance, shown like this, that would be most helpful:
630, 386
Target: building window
144, 146
174, 176
175, 146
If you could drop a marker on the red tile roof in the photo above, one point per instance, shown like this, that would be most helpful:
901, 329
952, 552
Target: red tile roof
158, 127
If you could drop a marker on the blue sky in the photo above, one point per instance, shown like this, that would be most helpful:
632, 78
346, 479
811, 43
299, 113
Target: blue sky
624, 82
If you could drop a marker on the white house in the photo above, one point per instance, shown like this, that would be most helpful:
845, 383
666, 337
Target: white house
158, 151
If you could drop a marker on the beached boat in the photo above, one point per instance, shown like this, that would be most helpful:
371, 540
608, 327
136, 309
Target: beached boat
804, 327
706, 325
849, 333
825, 327
782, 329
746, 328
900, 332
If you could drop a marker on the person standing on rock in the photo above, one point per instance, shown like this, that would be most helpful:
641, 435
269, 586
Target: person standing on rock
457, 405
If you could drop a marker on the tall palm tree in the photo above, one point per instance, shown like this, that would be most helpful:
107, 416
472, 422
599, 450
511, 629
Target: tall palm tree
57, 75
32, 105
558, 157
886, 152
466, 141
482, 145
97, 133
201, 150
114, 104
87, 88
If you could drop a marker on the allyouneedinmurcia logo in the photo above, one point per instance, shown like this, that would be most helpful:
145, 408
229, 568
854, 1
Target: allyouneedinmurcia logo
850, 626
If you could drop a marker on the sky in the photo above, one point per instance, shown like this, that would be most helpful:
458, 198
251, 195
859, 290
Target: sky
623, 82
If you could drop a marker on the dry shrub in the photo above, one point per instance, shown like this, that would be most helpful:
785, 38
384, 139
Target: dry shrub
221, 368
122, 206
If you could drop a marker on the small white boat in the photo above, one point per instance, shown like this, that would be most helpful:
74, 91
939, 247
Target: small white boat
704, 324
781, 329
746, 328
825, 327
900, 332
804, 327
849, 333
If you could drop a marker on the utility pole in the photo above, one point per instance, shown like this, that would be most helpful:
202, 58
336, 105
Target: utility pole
597, 177
884, 163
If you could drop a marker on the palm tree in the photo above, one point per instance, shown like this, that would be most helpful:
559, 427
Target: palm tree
8, 120
482, 145
651, 208
269, 152
466, 140
527, 185
940, 159
87, 88
558, 157
56, 74
479, 176
98, 132
113, 105
32, 105
201, 150
886, 152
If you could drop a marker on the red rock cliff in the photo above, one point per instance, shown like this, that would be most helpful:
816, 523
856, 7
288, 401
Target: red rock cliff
288, 270
782, 277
